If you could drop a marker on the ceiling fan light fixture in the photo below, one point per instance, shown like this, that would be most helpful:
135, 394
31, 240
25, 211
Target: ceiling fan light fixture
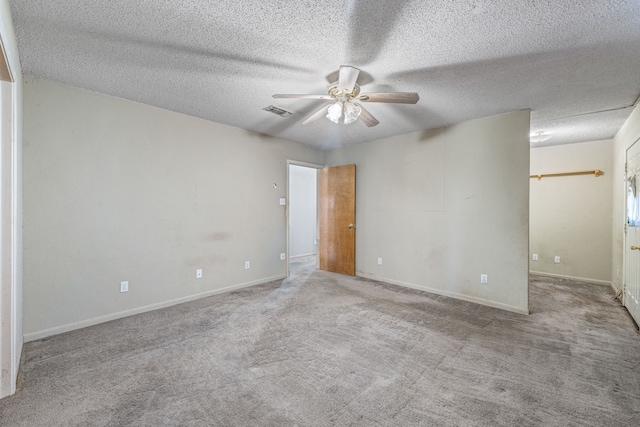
343, 93
335, 112
351, 113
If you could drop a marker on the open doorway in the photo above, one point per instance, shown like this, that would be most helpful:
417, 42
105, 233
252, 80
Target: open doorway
302, 216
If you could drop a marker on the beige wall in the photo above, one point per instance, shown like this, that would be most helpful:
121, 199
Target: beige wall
626, 136
11, 209
445, 206
570, 216
117, 191
120, 191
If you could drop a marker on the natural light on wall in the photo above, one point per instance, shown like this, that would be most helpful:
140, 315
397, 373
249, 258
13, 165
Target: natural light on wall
633, 206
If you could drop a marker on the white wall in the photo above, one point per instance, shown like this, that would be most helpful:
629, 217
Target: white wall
445, 206
116, 190
302, 210
626, 136
570, 216
11, 211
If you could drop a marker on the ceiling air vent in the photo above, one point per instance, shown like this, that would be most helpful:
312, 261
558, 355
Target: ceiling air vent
277, 110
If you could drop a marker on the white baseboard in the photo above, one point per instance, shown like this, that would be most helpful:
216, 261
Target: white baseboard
32, 336
456, 295
579, 279
615, 288
302, 256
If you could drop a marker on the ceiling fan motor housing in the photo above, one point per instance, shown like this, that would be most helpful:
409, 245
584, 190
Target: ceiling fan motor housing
335, 92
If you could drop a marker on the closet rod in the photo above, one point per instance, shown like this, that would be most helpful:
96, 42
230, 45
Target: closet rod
596, 172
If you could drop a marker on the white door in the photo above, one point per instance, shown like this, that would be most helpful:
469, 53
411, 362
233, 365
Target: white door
631, 294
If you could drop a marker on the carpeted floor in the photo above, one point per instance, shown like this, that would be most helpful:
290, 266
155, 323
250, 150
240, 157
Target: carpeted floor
321, 349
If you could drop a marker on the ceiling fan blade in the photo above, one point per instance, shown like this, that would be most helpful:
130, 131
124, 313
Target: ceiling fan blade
392, 97
366, 117
303, 96
317, 115
347, 78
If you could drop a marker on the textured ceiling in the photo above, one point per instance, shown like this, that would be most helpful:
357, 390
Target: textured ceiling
574, 63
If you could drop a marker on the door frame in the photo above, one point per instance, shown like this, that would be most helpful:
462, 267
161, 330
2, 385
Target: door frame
11, 339
288, 198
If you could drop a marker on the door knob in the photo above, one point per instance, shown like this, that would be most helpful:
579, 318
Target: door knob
635, 248
351, 226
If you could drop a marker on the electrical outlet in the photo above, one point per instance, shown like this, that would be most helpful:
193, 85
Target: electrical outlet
124, 286
199, 273
484, 279
247, 265
556, 259
379, 261
283, 256
535, 257
283, 201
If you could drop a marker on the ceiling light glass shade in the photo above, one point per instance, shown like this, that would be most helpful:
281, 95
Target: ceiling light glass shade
335, 112
351, 113
539, 137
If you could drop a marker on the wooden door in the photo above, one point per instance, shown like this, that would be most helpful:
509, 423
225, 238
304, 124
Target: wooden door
337, 218
631, 293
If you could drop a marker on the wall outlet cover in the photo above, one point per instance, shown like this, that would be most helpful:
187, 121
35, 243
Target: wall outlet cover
556, 259
379, 261
199, 273
283, 256
124, 286
247, 265
484, 279
535, 257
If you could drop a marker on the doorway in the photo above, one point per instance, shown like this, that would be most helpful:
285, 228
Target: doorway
302, 216
320, 217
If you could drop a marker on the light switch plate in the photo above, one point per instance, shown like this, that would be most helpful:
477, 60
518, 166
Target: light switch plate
535, 257
484, 279
283, 256
124, 286
283, 201
199, 273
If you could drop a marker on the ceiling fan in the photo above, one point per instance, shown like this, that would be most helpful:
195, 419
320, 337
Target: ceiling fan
344, 93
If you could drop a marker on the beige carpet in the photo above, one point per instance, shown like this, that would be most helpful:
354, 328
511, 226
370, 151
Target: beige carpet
322, 349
